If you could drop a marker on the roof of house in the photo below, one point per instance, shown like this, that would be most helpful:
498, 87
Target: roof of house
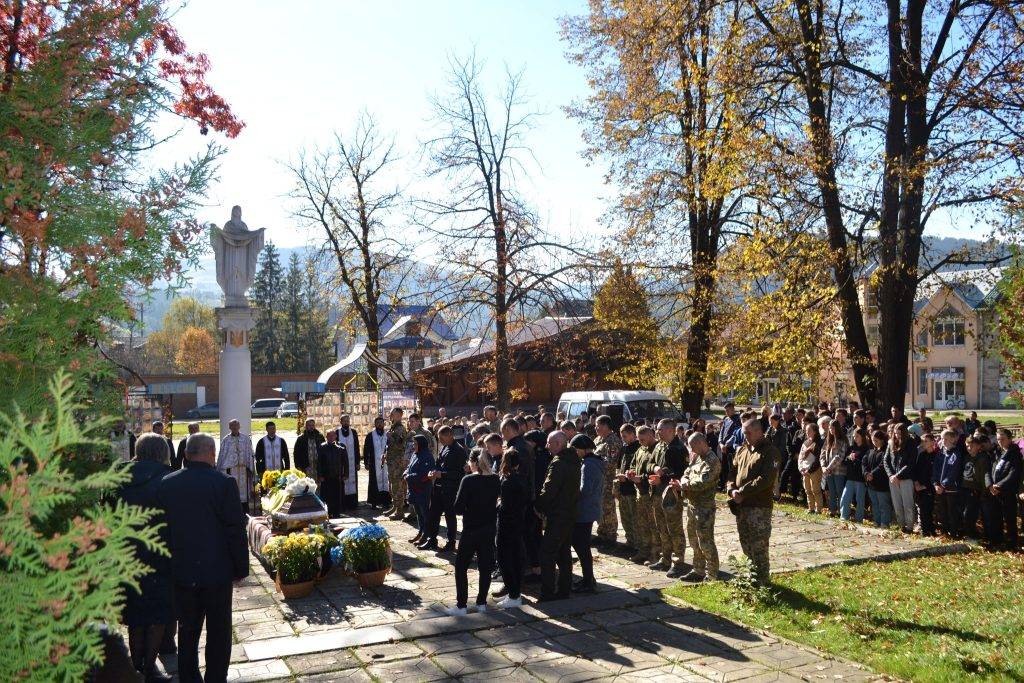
533, 331
410, 342
391, 317
977, 286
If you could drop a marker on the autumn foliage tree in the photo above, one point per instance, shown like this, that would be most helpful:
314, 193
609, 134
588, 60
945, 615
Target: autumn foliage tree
675, 110
1011, 326
197, 352
906, 113
80, 86
627, 332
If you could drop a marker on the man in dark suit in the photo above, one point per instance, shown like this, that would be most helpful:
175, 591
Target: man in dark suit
208, 552
158, 428
332, 472
451, 466
178, 460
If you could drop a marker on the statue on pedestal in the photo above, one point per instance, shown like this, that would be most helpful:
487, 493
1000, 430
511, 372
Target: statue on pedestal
236, 248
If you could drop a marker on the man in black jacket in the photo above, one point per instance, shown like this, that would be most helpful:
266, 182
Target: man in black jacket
305, 455
557, 503
446, 476
178, 460
332, 471
208, 552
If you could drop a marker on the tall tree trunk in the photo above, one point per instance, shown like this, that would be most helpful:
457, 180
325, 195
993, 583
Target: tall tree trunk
865, 375
902, 199
502, 369
704, 248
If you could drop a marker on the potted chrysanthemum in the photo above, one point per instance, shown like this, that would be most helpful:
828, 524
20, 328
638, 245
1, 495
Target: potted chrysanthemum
366, 550
296, 561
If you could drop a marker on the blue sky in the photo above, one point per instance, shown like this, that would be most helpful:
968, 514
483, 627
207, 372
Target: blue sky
298, 71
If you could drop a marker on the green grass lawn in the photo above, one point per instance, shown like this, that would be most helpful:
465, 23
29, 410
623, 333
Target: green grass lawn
1001, 419
208, 426
926, 619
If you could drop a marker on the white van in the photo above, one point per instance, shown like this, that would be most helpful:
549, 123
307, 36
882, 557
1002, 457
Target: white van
637, 405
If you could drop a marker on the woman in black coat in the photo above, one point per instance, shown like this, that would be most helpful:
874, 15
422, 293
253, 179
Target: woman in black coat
148, 610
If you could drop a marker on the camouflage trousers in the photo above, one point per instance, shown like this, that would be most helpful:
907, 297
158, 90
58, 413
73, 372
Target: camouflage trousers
399, 487
648, 540
754, 526
608, 527
700, 527
670, 530
628, 513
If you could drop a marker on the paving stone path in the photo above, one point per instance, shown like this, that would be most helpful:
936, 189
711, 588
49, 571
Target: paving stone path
627, 630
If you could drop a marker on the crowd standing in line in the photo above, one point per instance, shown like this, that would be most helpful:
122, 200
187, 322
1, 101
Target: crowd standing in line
530, 489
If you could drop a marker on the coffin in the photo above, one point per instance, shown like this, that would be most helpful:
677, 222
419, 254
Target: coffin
297, 513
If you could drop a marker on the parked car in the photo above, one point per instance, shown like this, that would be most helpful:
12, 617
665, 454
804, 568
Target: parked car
207, 411
289, 409
637, 405
266, 407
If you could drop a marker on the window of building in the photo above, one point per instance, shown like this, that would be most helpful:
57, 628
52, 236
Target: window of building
415, 363
949, 332
922, 337
922, 381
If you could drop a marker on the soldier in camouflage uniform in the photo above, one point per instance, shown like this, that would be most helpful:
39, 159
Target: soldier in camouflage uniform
397, 459
609, 447
649, 542
750, 487
698, 487
670, 460
491, 419
623, 489
416, 427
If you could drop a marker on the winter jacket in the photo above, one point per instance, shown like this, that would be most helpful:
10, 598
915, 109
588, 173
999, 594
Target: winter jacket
590, 505
874, 464
834, 458
561, 490
1006, 470
420, 465
753, 474
948, 468
899, 462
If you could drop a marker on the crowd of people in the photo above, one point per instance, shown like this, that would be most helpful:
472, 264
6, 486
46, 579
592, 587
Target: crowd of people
530, 488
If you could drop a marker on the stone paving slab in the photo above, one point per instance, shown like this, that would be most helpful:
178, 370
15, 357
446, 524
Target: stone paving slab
399, 632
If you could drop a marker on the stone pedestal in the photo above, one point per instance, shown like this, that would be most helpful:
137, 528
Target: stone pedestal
235, 323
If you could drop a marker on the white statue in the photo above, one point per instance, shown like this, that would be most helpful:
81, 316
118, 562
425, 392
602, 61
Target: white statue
237, 248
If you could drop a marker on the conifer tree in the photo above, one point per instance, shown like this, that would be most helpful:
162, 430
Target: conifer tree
267, 297
292, 312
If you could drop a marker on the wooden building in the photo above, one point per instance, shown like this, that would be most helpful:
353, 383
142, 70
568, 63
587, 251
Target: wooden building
550, 355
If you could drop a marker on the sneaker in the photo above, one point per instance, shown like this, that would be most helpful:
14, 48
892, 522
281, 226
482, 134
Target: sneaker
694, 575
449, 547
429, 544
660, 566
499, 591
480, 609
639, 558
584, 587
510, 603
390, 511
456, 611
675, 572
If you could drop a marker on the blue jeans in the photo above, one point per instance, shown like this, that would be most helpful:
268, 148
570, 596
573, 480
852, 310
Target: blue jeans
422, 523
855, 492
835, 484
881, 508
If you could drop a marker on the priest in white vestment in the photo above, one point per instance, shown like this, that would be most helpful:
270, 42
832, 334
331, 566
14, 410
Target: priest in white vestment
348, 438
236, 460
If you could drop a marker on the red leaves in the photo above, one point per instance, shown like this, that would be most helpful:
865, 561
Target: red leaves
108, 28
